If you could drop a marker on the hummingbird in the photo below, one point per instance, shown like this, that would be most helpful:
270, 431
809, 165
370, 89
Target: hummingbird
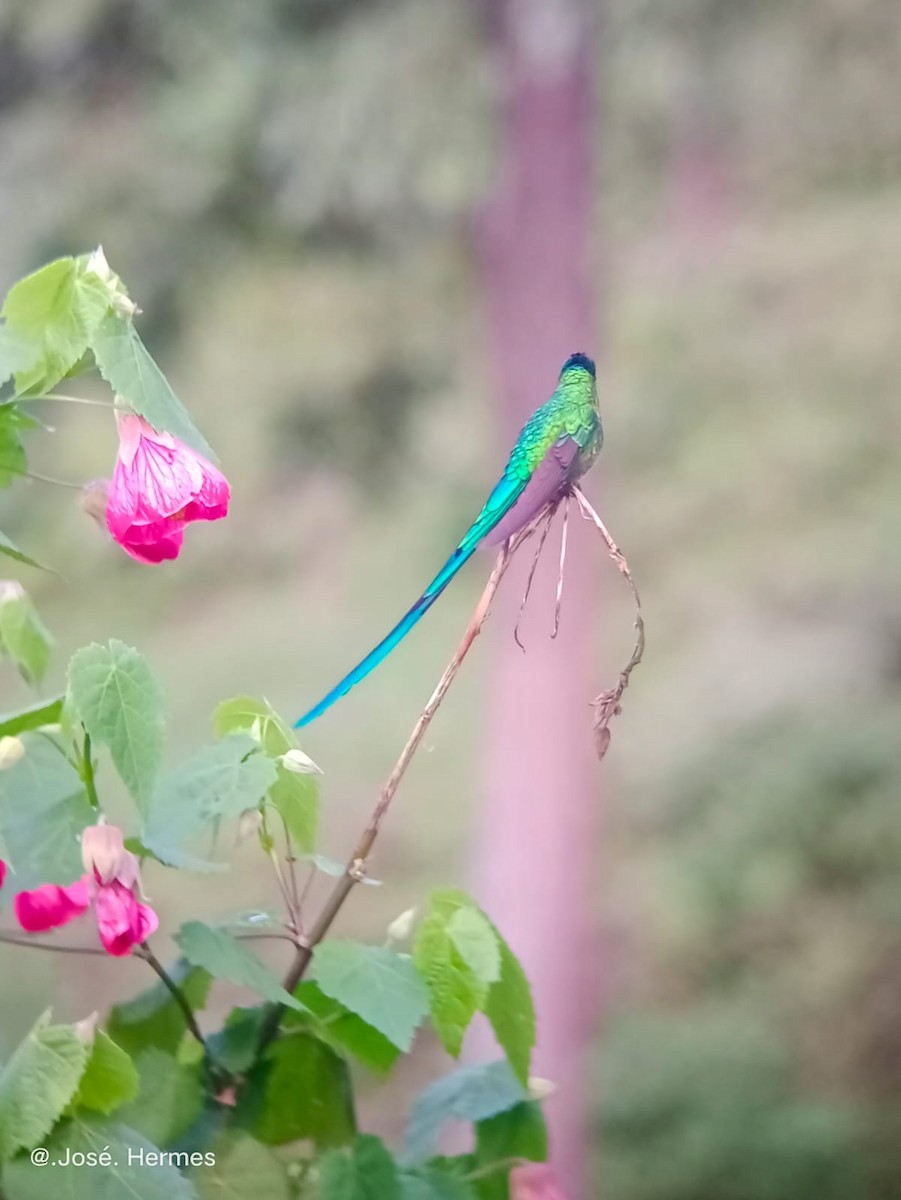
555, 448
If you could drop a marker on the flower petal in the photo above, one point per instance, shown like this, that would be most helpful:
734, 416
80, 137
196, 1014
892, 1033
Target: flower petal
121, 921
50, 906
2, 872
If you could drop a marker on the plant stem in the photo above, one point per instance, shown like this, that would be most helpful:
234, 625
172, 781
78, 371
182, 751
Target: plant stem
66, 483
87, 772
355, 870
144, 951
32, 943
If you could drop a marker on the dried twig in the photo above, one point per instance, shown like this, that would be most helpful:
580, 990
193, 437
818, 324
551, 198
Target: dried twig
559, 601
355, 870
547, 516
606, 705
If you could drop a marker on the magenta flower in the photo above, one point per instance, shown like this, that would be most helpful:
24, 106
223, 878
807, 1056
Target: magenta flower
110, 885
2, 872
158, 487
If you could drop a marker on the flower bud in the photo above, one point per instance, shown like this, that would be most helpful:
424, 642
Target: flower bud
85, 1029
93, 500
11, 591
299, 763
400, 927
104, 855
11, 750
249, 823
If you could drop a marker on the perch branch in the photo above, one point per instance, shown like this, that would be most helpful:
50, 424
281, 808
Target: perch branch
355, 870
607, 705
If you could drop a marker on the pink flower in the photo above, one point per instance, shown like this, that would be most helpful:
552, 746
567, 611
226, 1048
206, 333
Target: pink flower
535, 1181
110, 886
158, 487
2, 872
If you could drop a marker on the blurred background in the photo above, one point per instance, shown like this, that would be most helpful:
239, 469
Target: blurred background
364, 235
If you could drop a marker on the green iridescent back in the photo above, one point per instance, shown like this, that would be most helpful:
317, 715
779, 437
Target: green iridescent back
572, 409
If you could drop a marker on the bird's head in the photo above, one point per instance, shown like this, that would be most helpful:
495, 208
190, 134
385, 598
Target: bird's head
579, 362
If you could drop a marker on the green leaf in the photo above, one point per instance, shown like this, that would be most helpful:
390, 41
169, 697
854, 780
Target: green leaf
380, 986
23, 635
35, 716
345, 1030
125, 363
295, 797
469, 968
511, 1012
43, 809
57, 307
455, 992
17, 353
302, 1090
364, 1171
242, 1170
469, 1094
135, 1169
218, 782
110, 1078
234, 1047
11, 550
476, 941
153, 1018
37, 1083
432, 1183
225, 958
520, 1132
120, 703
169, 1097
13, 460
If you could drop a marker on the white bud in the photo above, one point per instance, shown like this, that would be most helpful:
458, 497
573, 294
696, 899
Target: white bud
11, 591
400, 928
249, 823
85, 1029
11, 750
299, 763
541, 1089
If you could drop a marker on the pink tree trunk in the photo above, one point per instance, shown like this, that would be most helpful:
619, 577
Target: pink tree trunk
535, 859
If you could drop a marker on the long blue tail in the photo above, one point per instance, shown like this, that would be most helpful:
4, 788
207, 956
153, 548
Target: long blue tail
500, 501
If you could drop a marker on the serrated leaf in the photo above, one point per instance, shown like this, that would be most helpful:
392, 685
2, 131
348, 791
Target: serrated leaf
11, 550
43, 809
153, 1018
58, 307
13, 460
125, 363
37, 1083
344, 1029
517, 1133
476, 941
136, 1171
23, 635
455, 992
218, 782
302, 1090
243, 1170
110, 1078
364, 1171
120, 703
295, 797
35, 716
469, 1094
432, 1183
226, 958
234, 1047
17, 353
379, 985
511, 1012
169, 1097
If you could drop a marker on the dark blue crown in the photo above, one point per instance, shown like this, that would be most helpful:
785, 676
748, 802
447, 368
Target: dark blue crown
582, 361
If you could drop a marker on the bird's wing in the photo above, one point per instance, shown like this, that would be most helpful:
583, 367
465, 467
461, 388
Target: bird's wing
547, 483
